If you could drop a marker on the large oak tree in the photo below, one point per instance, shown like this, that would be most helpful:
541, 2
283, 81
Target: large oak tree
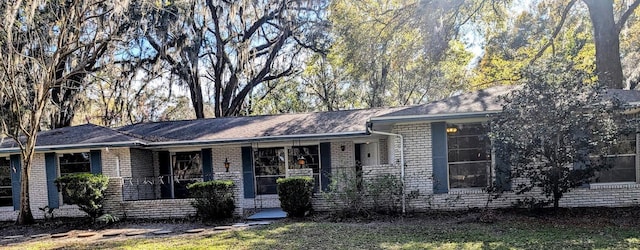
44, 47
227, 48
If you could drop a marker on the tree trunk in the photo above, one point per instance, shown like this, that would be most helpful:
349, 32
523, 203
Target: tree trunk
607, 40
195, 90
62, 117
25, 216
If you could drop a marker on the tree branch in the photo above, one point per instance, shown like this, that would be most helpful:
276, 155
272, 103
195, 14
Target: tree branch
556, 31
625, 16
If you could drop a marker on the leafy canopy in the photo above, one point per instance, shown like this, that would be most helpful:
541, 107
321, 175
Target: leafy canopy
85, 190
555, 130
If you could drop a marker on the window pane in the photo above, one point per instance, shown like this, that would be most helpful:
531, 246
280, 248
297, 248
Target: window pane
187, 165
187, 169
6, 198
74, 163
269, 166
623, 170
466, 175
469, 155
267, 185
311, 158
625, 144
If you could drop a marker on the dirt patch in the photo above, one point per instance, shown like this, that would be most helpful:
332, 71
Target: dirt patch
83, 229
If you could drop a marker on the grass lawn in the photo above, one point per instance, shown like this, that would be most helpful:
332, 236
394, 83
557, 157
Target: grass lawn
401, 234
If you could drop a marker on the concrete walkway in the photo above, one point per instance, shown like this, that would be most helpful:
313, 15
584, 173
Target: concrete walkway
268, 214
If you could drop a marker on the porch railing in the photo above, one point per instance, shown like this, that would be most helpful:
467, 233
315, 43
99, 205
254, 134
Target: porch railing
157, 187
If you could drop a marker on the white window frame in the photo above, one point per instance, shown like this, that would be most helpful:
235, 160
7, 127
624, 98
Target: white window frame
490, 166
60, 154
287, 149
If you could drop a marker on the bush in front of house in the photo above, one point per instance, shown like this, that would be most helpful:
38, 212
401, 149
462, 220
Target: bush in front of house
214, 200
295, 195
385, 191
346, 196
85, 190
556, 132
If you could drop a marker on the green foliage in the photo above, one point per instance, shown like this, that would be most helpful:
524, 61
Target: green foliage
108, 219
295, 195
515, 40
555, 131
346, 196
213, 199
85, 190
352, 197
386, 192
395, 52
284, 96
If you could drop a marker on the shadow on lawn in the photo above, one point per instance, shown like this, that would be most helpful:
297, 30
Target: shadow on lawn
396, 235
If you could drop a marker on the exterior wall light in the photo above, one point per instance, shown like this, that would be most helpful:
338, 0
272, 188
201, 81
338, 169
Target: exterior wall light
301, 161
226, 164
452, 130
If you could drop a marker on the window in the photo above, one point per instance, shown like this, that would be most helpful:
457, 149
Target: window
623, 161
186, 169
311, 158
75, 163
469, 155
269, 166
5, 183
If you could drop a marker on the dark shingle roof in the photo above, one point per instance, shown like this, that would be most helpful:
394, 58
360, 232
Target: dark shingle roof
478, 101
336, 122
486, 100
76, 135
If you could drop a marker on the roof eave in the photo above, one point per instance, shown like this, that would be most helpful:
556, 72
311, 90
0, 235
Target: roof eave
432, 118
76, 146
183, 143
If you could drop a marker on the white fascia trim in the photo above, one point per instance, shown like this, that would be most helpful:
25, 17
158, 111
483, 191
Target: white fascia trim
74, 146
434, 117
254, 139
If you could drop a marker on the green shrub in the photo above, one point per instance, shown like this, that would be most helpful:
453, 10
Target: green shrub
213, 199
295, 195
85, 190
346, 196
385, 191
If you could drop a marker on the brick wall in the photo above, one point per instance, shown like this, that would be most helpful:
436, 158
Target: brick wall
342, 159
383, 146
7, 214
116, 162
141, 163
168, 208
300, 172
143, 171
238, 191
233, 154
38, 186
417, 158
262, 201
419, 171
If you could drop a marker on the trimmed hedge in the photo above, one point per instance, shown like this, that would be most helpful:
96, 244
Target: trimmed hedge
213, 199
295, 195
85, 190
